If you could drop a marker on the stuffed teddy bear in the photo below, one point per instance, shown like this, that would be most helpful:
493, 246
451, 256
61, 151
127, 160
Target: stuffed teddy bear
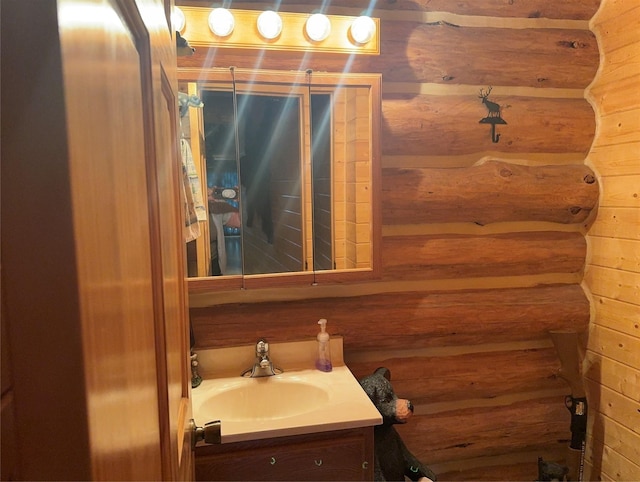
393, 461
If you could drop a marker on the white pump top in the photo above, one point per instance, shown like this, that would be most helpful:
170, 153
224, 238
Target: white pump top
323, 335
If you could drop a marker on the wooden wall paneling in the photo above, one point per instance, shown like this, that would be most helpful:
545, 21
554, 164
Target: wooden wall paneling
614, 405
603, 429
612, 274
622, 126
616, 346
417, 52
615, 466
622, 159
614, 26
432, 379
538, 424
401, 320
449, 125
613, 373
482, 352
605, 402
622, 80
575, 10
619, 315
515, 470
621, 191
616, 223
421, 52
491, 192
449, 256
612, 283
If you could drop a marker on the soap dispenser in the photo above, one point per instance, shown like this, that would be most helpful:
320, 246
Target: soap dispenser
323, 362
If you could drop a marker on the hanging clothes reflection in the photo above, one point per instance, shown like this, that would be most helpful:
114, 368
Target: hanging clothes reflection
268, 174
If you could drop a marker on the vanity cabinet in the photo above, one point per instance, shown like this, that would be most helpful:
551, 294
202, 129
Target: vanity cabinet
336, 455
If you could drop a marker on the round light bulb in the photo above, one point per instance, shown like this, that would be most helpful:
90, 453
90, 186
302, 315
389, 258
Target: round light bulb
221, 22
177, 19
362, 29
269, 24
318, 27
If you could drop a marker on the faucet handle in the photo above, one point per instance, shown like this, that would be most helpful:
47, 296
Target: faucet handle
262, 346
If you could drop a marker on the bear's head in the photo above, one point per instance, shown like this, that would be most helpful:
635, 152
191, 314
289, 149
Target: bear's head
378, 387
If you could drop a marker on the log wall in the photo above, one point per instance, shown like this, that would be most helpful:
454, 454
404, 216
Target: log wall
483, 245
613, 269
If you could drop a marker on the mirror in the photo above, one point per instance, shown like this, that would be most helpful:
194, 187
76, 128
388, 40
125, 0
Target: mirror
287, 162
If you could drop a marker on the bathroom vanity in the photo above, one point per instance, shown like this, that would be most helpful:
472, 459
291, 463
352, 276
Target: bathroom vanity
335, 455
302, 424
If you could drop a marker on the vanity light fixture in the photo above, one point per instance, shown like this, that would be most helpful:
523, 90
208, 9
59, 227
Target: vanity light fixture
362, 29
318, 27
269, 24
221, 22
177, 19
270, 29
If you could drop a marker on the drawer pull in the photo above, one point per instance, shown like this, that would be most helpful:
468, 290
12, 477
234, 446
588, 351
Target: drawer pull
273, 461
365, 464
319, 462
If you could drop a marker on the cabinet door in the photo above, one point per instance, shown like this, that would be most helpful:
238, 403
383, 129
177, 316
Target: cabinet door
342, 455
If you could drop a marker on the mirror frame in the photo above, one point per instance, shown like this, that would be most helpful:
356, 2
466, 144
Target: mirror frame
301, 78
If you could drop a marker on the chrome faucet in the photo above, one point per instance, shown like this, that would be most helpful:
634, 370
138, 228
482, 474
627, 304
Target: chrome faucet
263, 367
196, 379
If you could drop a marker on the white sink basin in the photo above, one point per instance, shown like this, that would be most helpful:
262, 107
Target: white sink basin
265, 398
300, 400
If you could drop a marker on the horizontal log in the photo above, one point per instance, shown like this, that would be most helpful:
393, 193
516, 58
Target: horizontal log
433, 379
460, 256
422, 52
516, 471
449, 125
418, 52
397, 321
541, 424
574, 10
491, 192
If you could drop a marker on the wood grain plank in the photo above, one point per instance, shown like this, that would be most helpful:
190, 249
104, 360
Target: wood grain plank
615, 345
450, 256
436, 125
601, 431
625, 87
617, 315
623, 410
433, 379
614, 253
538, 424
421, 52
619, 160
618, 128
612, 373
616, 31
491, 192
403, 320
614, 466
617, 223
621, 191
576, 10
615, 284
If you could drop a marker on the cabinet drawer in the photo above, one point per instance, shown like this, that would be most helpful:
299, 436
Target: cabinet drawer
340, 455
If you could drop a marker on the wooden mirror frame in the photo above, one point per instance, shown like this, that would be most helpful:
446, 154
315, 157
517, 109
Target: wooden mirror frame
300, 78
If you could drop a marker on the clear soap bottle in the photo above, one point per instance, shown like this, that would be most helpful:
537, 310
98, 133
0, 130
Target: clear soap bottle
323, 361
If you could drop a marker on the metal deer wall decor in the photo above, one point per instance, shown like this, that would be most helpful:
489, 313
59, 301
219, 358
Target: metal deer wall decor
494, 115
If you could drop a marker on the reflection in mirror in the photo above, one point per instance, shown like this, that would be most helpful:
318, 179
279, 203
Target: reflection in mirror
287, 165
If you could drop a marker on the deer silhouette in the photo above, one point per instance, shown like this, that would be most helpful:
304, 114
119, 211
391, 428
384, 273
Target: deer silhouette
492, 107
